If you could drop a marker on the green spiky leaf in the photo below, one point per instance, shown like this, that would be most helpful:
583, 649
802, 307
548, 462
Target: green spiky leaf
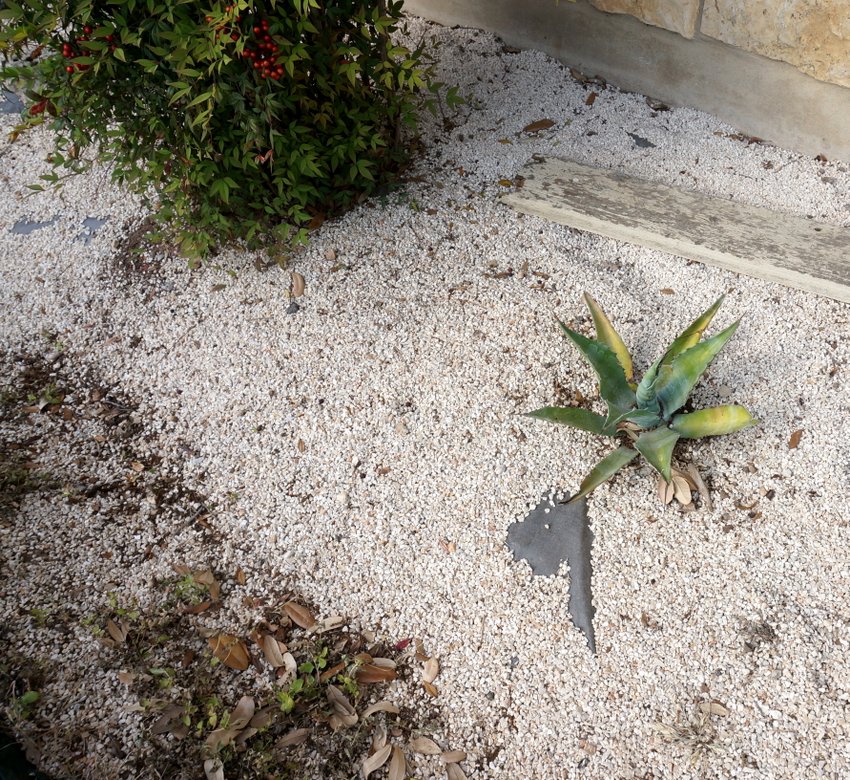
657, 447
676, 379
613, 385
604, 470
606, 335
693, 333
641, 417
690, 336
583, 419
716, 421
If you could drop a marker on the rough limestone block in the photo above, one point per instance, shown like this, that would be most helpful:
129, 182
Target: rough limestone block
812, 35
677, 15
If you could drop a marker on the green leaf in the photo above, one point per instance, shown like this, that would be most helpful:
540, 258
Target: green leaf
604, 470
606, 334
716, 421
613, 386
657, 447
583, 419
640, 417
119, 54
676, 379
693, 333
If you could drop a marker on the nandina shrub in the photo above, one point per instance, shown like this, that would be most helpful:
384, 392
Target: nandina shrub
246, 120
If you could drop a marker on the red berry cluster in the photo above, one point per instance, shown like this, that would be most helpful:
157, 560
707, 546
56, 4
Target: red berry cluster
264, 56
69, 51
225, 29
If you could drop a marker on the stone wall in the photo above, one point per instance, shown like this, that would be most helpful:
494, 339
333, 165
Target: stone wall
811, 35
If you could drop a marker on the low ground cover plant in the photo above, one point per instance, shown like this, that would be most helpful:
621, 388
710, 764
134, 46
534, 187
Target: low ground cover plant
647, 414
247, 119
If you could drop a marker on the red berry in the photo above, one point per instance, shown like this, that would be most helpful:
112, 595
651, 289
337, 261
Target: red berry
110, 38
208, 19
87, 30
273, 47
234, 37
257, 30
265, 24
275, 76
69, 68
263, 75
267, 38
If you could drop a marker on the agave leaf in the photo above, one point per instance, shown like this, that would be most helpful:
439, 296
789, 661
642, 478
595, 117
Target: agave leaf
606, 334
712, 422
690, 336
641, 417
583, 419
604, 470
677, 378
613, 386
645, 393
693, 333
657, 447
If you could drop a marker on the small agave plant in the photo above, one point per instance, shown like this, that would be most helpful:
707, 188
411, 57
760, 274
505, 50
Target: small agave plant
646, 413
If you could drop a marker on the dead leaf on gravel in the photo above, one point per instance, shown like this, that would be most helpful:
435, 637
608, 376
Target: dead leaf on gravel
299, 615
536, 127
171, 714
381, 706
263, 718
506, 183
116, 631
271, 651
431, 670
137, 466
454, 772
431, 689
230, 650
453, 756
214, 769
375, 761
591, 99
369, 674
425, 746
240, 576
126, 678
329, 624
197, 609
379, 738
294, 737
713, 708
682, 490
667, 291
344, 715
700, 485
297, 285
207, 578
398, 766
239, 719
794, 441
665, 490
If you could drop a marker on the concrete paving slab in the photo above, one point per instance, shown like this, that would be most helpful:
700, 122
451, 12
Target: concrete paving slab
755, 241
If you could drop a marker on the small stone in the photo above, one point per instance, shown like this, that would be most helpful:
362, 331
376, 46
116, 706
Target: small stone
292, 308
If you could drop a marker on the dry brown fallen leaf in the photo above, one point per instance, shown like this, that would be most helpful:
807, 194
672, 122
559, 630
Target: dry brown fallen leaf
794, 441
369, 674
294, 737
207, 578
230, 650
214, 769
425, 746
240, 576
667, 291
430, 689
713, 708
116, 631
375, 761
536, 127
454, 772
126, 678
431, 670
591, 99
453, 756
272, 651
299, 615
297, 285
398, 766
381, 706
239, 719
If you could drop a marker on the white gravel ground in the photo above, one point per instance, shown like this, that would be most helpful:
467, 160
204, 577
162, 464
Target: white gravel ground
403, 374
